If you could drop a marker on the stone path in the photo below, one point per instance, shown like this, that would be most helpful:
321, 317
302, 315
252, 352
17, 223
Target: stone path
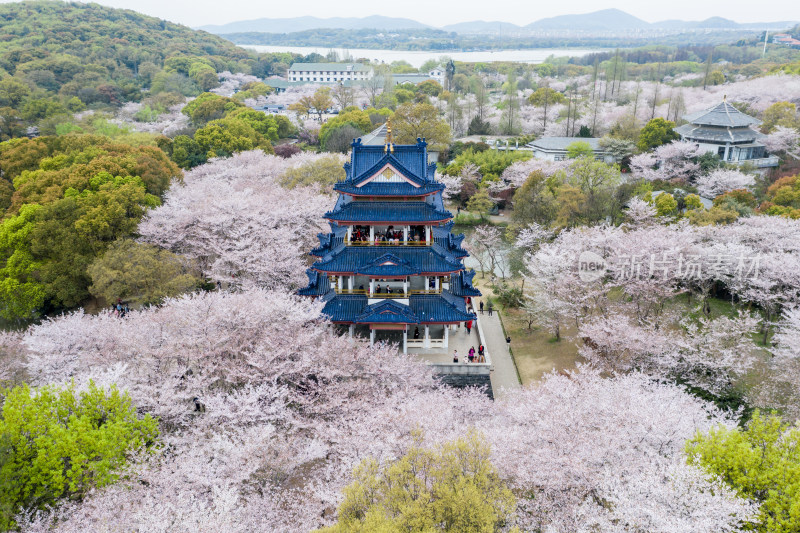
504, 374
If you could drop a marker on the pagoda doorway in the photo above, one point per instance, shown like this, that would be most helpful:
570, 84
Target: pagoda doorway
390, 333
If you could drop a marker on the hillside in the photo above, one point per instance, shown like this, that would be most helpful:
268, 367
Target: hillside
57, 58
52, 27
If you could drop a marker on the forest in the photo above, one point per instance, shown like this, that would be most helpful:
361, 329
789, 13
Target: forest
158, 371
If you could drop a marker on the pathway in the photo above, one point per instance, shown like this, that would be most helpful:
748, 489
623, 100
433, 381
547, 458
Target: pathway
504, 374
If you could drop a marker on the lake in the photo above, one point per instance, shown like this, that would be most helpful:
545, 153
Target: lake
417, 58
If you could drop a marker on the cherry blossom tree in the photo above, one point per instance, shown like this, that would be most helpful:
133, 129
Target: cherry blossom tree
782, 139
640, 213
671, 161
723, 180
265, 410
484, 245
230, 83
452, 185
574, 444
518, 172
238, 223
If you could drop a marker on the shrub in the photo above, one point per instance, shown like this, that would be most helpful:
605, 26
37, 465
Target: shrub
60, 443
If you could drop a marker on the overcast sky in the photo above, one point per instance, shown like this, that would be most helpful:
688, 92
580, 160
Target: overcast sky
441, 12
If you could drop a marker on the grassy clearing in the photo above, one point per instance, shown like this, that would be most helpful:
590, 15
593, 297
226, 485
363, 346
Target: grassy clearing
536, 352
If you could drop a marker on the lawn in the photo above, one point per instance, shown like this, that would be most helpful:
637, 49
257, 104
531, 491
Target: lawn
536, 352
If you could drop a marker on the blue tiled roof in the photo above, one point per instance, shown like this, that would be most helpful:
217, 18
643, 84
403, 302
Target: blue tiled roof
422, 309
329, 241
440, 308
387, 312
409, 159
416, 260
318, 284
345, 307
387, 212
461, 284
448, 241
387, 189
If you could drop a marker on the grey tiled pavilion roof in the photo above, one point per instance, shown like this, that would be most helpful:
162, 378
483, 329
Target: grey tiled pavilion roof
722, 114
719, 135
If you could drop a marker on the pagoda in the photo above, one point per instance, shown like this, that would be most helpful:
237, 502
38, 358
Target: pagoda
390, 265
727, 132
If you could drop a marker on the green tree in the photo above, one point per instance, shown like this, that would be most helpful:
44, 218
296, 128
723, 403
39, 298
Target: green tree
340, 138
226, 136
140, 273
780, 114
535, 201
322, 174
490, 163
480, 203
716, 78
692, 202
355, 118
21, 293
579, 149
60, 443
317, 103
453, 488
186, 152
545, 97
666, 205
597, 181
412, 121
760, 462
655, 133
208, 107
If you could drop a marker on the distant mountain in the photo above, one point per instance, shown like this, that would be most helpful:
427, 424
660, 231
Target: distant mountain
480, 26
290, 25
604, 20
719, 23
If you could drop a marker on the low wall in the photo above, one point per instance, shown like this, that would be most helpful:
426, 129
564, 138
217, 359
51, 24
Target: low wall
461, 375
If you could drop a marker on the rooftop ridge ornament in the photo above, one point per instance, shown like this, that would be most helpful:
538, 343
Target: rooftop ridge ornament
389, 146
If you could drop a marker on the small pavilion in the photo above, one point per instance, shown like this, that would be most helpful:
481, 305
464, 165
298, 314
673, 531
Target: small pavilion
727, 132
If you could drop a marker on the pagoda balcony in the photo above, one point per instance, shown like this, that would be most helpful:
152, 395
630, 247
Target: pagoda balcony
387, 243
384, 294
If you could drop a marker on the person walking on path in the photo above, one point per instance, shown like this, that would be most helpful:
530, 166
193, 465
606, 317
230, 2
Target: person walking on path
490, 308
469, 326
455, 356
481, 306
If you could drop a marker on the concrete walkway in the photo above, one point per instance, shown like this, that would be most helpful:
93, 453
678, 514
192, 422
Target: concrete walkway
504, 374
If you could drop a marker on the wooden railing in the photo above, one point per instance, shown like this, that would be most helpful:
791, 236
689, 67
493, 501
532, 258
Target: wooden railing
351, 291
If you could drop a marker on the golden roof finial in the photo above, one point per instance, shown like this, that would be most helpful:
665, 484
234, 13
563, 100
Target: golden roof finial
389, 144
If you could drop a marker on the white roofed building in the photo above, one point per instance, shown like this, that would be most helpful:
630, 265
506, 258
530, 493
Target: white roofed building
328, 72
